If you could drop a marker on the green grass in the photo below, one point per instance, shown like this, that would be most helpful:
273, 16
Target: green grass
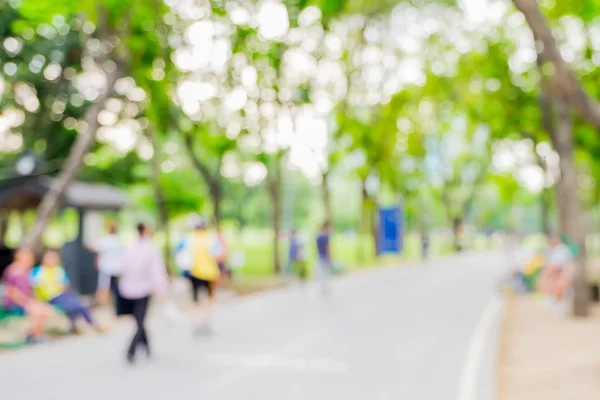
257, 246
247, 284
349, 250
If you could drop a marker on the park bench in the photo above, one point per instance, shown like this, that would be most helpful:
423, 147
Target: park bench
11, 326
9, 322
5, 315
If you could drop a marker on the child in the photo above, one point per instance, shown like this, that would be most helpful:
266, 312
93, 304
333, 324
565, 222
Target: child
51, 284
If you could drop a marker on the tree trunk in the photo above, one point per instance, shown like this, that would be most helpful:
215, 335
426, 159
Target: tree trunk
456, 224
275, 194
545, 211
562, 74
369, 223
161, 200
216, 195
326, 198
362, 223
557, 121
567, 200
544, 193
3, 227
213, 180
374, 222
55, 195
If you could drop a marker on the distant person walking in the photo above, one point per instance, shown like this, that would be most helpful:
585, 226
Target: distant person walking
203, 275
297, 257
143, 274
109, 259
324, 263
425, 245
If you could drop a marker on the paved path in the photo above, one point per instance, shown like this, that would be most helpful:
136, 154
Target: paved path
392, 333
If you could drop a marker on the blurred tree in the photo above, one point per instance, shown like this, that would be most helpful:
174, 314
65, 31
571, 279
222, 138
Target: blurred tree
562, 92
561, 76
208, 161
123, 31
39, 99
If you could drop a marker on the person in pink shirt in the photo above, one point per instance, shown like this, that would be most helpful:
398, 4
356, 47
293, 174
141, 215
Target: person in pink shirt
143, 274
18, 297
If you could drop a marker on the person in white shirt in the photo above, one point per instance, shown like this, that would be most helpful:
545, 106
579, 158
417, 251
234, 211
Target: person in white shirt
511, 248
109, 252
521, 256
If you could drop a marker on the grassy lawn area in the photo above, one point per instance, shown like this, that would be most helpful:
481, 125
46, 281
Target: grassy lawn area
256, 245
247, 284
350, 250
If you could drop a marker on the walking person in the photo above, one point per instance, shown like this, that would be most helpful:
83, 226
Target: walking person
424, 245
203, 275
297, 260
143, 274
324, 263
109, 259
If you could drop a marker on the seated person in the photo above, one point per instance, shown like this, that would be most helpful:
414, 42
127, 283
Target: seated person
533, 269
558, 271
51, 284
18, 297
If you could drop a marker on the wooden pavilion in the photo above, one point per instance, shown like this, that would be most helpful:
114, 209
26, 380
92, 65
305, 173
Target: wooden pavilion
25, 192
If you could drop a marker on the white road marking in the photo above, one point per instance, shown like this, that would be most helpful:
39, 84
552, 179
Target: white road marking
468, 384
259, 361
239, 371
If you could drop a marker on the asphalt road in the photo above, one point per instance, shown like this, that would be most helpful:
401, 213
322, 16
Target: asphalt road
389, 333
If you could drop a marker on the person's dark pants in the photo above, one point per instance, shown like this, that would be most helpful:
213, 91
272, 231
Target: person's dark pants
224, 270
139, 309
114, 291
425, 251
71, 304
200, 284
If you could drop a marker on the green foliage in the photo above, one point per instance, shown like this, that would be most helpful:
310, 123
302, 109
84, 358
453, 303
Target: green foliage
334, 8
36, 12
587, 10
407, 149
43, 129
183, 191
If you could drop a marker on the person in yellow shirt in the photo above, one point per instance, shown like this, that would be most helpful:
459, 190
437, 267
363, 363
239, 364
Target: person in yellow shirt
203, 275
532, 271
51, 284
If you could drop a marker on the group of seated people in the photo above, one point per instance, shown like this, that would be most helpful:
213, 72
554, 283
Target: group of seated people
549, 272
36, 292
